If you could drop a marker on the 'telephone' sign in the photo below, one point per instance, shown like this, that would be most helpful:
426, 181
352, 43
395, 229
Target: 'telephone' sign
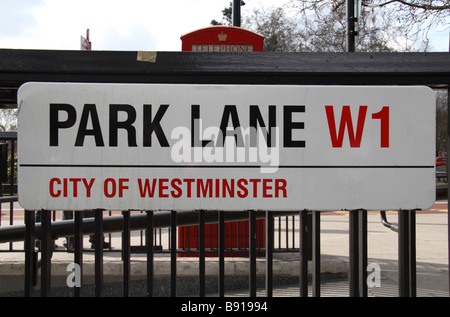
214, 147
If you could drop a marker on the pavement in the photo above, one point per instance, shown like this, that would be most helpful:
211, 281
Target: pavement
432, 249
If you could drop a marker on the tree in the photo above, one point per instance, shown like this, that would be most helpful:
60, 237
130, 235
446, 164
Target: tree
441, 122
8, 120
405, 23
281, 33
227, 13
325, 32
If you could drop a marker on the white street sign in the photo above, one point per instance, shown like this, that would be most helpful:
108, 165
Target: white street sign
225, 147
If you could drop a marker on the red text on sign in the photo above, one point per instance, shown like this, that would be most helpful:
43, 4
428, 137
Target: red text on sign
212, 188
65, 187
346, 122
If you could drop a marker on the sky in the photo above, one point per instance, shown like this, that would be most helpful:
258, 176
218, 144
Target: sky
119, 24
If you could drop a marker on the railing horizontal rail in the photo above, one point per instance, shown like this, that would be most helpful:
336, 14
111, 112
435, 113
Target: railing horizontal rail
65, 228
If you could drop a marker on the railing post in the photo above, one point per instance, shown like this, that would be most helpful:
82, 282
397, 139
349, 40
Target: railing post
316, 253
201, 246
98, 240
362, 253
149, 245
354, 252
269, 253
252, 253
173, 253
46, 252
29, 252
406, 253
448, 183
412, 253
221, 254
78, 247
303, 280
126, 252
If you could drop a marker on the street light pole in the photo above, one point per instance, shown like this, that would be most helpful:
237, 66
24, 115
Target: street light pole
236, 11
351, 19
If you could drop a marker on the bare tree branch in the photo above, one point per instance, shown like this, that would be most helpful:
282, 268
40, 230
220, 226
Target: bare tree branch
425, 5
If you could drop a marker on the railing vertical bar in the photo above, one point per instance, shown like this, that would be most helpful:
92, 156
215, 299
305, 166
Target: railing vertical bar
141, 235
303, 280
287, 232
279, 232
293, 232
188, 235
11, 221
11, 184
259, 235
46, 252
221, 246
269, 253
181, 238
12, 169
363, 252
126, 252
201, 225
29, 252
354, 253
109, 234
150, 254
98, 239
403, 254
448, 183
412, 253
316, 253
173, 253
252, 254
78, 248
230, 236
210, 236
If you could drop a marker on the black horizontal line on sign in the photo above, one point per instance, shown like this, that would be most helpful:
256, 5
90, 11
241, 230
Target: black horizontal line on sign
225, 166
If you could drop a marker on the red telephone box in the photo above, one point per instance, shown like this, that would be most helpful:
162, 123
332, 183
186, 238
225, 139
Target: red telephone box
222, 39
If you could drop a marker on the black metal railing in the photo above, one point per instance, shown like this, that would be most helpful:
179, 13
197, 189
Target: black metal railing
47, 231
267, 226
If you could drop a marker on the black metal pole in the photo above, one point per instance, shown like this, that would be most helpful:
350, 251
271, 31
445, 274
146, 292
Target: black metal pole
221, 254
150, 256
29, 252
403, 254
173, 253
126, 252
303, 281
448, 183
351, 25
269, 254
252, 253
412, 253
46, 252
78, 247
316, 254
98, 240
354, 252
201, 248
236, 11
363, 253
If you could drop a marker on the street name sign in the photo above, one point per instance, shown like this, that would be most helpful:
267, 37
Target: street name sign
225, 147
